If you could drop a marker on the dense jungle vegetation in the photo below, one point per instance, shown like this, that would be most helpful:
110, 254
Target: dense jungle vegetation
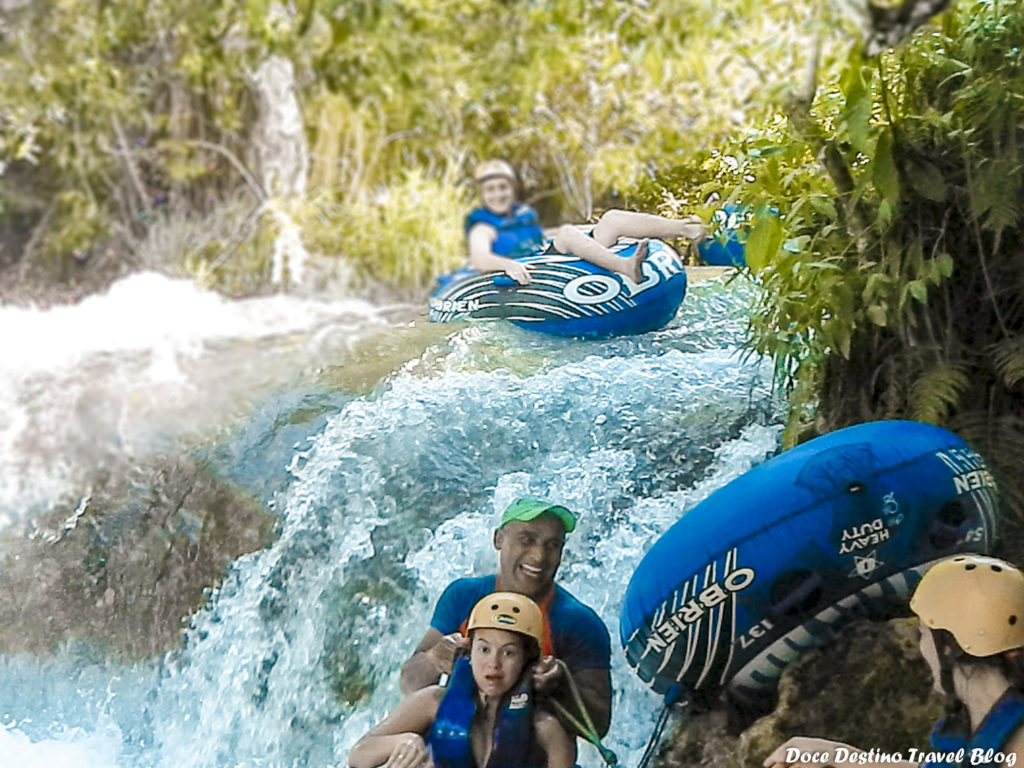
893, 274
130, 128
878, 155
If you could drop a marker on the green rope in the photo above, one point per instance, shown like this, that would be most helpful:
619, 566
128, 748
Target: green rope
585, 728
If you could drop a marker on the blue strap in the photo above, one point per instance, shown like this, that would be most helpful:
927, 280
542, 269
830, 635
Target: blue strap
448, 737
996, 729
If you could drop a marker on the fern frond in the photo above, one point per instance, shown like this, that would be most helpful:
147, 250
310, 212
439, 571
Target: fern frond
993, 199
1002, 214
1008, 360
936, 392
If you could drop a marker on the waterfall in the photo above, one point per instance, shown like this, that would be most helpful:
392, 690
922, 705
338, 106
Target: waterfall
393, 494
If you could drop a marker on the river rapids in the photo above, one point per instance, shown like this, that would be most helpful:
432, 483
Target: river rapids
382, 448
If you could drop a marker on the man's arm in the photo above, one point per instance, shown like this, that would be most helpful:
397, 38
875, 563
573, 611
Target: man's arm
559, 747
433, 656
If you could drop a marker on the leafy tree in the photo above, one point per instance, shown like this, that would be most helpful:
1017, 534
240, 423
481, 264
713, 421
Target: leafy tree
128, 126
893, 281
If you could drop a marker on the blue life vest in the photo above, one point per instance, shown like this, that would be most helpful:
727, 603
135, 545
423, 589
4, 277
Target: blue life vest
448, 737
995, 730
519, 233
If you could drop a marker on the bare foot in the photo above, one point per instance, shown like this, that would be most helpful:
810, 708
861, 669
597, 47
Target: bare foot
636, 262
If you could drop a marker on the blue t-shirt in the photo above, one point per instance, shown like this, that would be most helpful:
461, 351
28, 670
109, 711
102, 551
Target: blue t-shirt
578, 636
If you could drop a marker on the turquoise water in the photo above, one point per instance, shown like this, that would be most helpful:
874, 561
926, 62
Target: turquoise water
382, 499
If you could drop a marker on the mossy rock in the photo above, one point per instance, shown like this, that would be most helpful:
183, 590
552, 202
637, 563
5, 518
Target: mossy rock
870, 688
126, 566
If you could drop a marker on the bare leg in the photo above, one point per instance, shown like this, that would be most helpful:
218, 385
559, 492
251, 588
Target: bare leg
569, 239
615, 223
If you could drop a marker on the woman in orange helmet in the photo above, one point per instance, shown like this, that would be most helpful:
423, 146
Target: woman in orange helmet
485, 717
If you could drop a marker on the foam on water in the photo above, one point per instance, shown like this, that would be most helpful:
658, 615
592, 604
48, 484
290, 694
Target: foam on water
126, 373
297, 654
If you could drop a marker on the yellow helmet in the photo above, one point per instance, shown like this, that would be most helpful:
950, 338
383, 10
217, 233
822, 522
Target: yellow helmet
509, 611
978, 599
491, 169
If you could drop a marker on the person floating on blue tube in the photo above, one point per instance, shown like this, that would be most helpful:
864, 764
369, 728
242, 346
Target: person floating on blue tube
503, 228
486, 716
971, 611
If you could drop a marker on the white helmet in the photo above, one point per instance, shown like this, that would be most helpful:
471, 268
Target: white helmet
494, 169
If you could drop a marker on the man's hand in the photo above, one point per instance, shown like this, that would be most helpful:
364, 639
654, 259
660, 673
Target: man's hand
547, 674
433, 657
442, 655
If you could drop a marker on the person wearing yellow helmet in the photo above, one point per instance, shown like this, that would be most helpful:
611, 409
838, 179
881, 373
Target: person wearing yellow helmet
503, 228
529, 539
971, 612
485, 717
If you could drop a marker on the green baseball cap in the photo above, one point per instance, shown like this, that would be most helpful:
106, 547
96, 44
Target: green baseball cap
528, 508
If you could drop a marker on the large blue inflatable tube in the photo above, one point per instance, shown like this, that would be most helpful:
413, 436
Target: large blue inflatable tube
568, 296
780, 559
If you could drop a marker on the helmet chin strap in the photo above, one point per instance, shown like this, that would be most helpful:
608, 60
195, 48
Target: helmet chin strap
948, 655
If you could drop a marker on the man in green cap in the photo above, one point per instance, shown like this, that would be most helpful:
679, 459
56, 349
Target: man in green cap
529, 540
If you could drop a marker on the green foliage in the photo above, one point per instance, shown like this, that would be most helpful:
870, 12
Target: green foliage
1008, 356
117, 113
408, 232
91, 89
894, 288
937, 393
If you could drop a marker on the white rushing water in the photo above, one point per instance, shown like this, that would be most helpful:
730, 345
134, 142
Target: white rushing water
297, 653
127, 372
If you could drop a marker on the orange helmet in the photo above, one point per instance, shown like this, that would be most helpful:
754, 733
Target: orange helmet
977, 599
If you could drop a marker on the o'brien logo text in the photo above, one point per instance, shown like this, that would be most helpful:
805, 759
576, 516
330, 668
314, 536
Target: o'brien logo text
692, 610
451, 305
971, 473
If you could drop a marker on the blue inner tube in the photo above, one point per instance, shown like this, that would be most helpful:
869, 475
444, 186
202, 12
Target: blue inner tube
780, 559
568, 296
724, 248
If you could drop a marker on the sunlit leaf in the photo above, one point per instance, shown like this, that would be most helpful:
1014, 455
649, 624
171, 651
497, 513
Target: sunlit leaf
857, 113
884, 174
796, 244
763, 242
